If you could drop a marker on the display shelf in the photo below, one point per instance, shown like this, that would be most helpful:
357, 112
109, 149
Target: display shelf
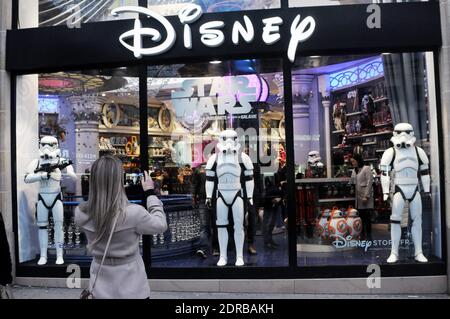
338, 132
341, 147
332, 200
380, 151
369, 143
383, 124
135, 131
354, 114
370, 135
126, 155
371, 159
378, 133
322, 180
382, 99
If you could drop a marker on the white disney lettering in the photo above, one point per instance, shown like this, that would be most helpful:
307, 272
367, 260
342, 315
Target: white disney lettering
300, 32
189, 14
211, 33
138, 32
271, 30
341, 242
247, 33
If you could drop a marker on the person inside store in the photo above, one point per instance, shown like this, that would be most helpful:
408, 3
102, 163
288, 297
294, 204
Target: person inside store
362, 178
272, 206
252, 212
206, 219
281, 183
113, 227
85, 184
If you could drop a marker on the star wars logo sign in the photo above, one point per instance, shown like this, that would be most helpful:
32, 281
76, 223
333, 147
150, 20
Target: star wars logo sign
198, 97
211, 33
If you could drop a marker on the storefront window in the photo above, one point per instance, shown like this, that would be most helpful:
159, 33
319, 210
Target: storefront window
314, 3
346, 111
71, 13
78, 116
191, 105
172, 7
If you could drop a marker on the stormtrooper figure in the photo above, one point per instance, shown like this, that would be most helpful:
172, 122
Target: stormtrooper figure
315, 166
225, 169
410, 167
47, 171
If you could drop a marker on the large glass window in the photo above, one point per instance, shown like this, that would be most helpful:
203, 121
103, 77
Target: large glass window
172, 7
314, 3
89, 114
190, 105
347, 111
70, 13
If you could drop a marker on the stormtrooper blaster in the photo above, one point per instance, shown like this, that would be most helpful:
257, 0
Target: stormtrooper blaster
49, 168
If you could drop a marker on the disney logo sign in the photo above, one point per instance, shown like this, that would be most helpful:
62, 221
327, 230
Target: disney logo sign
211, 33
350, 242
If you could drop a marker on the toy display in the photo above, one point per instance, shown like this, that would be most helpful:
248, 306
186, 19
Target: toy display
47, 171
225, 168
410, 167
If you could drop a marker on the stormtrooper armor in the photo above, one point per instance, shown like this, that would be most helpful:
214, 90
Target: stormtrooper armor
410, 167
47, 171
315, 166
226, 168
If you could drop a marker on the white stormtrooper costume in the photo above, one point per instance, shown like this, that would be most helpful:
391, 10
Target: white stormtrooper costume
314, 159
315, 164
226, 167
47, 171
410, 166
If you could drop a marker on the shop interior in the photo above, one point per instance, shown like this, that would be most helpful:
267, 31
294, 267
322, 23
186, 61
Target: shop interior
93, 113
345, 108
342, 106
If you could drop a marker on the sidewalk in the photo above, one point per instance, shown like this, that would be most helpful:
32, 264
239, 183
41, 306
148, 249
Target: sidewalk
21, 292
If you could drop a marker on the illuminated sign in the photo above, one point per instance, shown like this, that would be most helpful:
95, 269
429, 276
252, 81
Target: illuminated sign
211, 33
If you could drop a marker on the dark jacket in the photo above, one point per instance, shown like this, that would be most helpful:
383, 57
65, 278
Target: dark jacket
272, 192
5, 256
198, 186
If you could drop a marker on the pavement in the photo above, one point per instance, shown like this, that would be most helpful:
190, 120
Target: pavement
23, 292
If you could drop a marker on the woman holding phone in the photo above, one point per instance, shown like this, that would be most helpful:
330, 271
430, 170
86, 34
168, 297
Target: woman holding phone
122, 274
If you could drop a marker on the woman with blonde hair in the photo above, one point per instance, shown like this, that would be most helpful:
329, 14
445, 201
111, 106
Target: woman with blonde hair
122, 275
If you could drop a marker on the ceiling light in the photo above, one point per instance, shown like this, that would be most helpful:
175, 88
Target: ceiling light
215, 62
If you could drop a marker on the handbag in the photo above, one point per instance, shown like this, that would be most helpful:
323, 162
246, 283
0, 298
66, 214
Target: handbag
86, 293
6, 292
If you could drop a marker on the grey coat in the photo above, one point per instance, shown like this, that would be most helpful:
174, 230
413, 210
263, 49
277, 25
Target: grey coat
363, 187
123, 275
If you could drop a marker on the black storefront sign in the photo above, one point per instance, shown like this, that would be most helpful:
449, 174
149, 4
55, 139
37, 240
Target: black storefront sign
338, 29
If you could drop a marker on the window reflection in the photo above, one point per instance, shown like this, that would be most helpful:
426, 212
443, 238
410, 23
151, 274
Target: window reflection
197, 102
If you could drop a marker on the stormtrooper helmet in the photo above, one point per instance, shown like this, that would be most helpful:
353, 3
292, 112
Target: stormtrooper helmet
49, 148
314, 157
403, 136
228, 142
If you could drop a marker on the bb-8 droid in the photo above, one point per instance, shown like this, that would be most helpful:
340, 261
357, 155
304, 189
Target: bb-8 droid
337, 226
354, 223
322, 224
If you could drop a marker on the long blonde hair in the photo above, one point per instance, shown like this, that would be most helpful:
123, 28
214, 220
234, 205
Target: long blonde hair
107, 196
